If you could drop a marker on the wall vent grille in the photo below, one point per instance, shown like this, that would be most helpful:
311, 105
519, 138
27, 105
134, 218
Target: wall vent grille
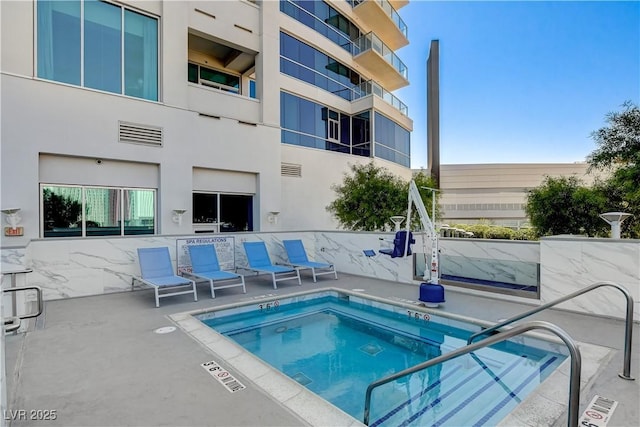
139, 134
290, 169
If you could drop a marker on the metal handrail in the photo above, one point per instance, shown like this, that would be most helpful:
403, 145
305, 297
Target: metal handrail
628, 334
38, 290
13, 322
574, 376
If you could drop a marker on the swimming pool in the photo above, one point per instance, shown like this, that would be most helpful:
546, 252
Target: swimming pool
336, 343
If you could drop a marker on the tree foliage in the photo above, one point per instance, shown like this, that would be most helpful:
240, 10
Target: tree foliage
565, 206
370, 195
619, 150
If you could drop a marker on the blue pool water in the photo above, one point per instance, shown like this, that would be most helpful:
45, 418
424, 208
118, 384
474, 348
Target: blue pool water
337, 345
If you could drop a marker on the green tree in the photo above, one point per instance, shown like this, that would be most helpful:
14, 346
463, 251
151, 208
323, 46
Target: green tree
619, 151
370, 195
565, 206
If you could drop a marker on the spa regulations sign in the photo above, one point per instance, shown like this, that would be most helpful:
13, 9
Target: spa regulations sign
225, 250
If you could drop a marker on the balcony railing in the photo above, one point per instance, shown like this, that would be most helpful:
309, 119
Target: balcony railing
372, 88
371, 41
390, 11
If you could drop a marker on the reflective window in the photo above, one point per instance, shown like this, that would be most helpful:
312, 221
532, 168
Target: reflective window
140, 55
392, 141
324, 19
61, 211
102, 46
102, 211
97, 211
302, 61
309, 124
113, 58
234, 210
59, 32
139, 211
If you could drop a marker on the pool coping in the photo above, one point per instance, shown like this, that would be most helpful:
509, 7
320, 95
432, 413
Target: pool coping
544, 406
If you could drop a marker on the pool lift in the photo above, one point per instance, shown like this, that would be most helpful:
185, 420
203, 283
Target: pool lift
431, 292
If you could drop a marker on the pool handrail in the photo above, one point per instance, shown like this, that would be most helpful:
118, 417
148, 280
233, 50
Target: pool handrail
14, 322
626, 368
574, 376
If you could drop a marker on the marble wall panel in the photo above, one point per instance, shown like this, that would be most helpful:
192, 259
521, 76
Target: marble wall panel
571, 264
79, 267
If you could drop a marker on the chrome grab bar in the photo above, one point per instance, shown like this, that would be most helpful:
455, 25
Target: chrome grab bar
574, 377
11, 324
626, 368
38, 290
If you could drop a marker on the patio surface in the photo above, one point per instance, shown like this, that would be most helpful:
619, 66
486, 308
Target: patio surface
96, 361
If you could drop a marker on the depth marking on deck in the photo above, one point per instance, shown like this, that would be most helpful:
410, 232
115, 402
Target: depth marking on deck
223, 376
598, 413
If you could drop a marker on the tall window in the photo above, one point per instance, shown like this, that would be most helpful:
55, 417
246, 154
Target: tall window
324, 19
223, 212
392, 141
76, 211
98, 45
309, 124
306, 63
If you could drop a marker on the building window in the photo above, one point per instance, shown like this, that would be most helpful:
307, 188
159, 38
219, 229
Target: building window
303, 62
309, 124
77, 211
98, 45
223, 212
361, 134
214, 78
392, 141
324, 19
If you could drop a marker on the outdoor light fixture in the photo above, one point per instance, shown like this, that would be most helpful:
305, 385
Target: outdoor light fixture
615, 219
273, 217
177, 215
12, 217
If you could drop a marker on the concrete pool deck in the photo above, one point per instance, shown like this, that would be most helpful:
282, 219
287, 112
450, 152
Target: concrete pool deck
96, 361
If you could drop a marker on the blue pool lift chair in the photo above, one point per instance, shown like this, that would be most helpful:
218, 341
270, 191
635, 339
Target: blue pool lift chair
260, 263
399, 245
205, 267
157, 271
298, 258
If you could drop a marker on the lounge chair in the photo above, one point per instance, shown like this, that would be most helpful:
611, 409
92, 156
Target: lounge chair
157, 271
298, 258
399, 245
259, 262
205, 266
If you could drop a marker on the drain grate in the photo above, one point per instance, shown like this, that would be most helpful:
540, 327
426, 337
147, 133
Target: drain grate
371, 348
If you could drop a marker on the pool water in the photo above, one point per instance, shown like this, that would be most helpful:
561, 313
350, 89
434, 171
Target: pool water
336, 346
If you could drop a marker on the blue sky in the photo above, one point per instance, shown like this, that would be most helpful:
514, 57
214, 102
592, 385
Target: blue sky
520, 82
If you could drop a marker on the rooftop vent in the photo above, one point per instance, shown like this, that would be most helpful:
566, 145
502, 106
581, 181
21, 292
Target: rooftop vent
140, 134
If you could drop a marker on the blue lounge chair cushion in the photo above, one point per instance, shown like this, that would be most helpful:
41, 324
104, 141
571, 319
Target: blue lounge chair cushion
298, 258
205, 266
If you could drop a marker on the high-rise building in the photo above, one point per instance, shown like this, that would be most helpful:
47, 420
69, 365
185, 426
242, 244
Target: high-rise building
118, 116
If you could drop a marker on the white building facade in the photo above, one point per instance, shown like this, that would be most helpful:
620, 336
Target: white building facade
180, 117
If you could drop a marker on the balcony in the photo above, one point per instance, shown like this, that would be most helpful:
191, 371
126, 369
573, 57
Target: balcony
370, 52
383, 18
397, 4
372, 88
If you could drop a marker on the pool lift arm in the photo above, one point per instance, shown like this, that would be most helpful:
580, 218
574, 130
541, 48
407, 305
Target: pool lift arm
429, 227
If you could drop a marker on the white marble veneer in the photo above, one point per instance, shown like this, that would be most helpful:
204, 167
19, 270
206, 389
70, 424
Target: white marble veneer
78, 267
